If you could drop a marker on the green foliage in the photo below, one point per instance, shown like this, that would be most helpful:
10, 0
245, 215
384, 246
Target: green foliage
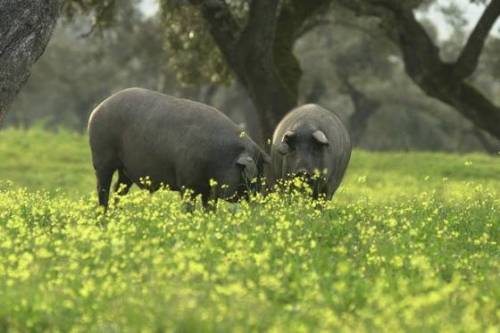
102, 11
195, 58
410, 243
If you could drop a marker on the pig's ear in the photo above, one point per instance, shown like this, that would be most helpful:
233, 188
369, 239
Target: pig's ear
248, 165
320, 137
287, 140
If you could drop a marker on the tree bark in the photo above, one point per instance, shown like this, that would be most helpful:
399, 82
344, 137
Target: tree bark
441, 80
25, 30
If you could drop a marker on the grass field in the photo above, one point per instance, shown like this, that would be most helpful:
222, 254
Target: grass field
409, 243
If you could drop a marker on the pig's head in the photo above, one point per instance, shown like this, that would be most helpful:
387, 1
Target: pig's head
305, 152
246, 174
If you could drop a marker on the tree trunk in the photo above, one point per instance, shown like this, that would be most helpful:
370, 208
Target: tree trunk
269, 95
25, 30
261, 52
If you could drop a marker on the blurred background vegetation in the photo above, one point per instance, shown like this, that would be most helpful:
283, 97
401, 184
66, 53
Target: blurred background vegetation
347, 64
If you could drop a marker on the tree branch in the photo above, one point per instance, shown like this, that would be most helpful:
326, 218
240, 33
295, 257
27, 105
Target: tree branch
223, 26
259, 34
424, 66
468, 60
435, 77
292, 20
294, 16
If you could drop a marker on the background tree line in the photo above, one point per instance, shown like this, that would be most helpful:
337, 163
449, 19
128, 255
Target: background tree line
394, 82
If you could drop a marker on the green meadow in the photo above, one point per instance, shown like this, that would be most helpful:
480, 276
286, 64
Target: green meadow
409, 243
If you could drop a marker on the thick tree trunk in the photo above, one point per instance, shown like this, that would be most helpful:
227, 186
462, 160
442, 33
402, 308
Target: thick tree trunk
25, 30
261, 53
269, 95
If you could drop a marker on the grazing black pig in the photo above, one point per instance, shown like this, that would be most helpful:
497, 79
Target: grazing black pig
311, 142
171, 141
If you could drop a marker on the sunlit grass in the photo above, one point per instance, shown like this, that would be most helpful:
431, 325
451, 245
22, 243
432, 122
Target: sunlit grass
410, 243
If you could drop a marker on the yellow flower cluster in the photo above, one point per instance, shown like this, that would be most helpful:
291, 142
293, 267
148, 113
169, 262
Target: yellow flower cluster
279, 263
411, 242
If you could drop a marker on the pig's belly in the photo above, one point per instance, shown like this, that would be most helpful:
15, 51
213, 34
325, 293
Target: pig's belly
149, 171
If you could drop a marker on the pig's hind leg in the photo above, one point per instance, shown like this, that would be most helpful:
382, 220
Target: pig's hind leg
104, 169
104, 176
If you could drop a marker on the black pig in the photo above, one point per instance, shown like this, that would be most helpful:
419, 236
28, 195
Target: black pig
311, 142
171, 141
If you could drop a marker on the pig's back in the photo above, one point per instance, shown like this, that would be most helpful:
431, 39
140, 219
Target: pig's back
160, 136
